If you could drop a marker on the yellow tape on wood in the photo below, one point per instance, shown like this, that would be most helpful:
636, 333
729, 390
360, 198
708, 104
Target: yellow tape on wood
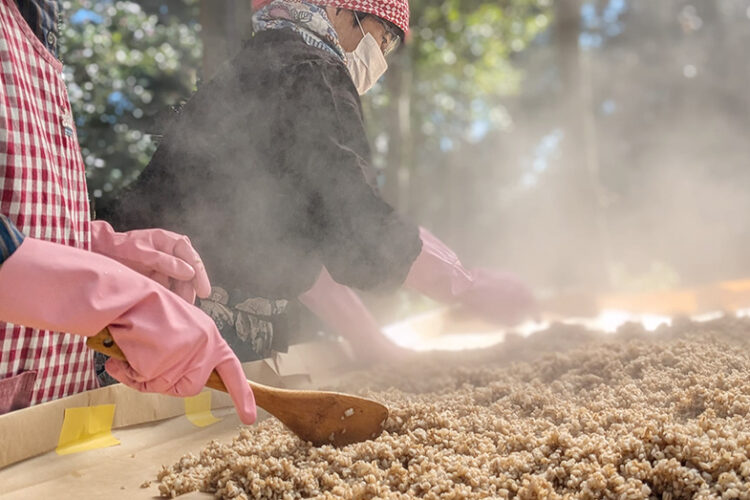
198, 410
86, 428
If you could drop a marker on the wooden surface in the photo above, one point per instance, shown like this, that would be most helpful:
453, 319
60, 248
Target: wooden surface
116, 472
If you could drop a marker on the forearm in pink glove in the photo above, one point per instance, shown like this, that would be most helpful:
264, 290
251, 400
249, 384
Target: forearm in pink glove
165, 257
342, 309
495, 296
171, 346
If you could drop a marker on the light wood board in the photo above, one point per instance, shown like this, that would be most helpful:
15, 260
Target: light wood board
116, 472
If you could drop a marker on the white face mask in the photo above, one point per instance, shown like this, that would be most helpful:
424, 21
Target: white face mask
366, 64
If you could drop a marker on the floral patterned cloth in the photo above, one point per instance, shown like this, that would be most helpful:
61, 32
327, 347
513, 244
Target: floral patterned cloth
248, 324
308, 20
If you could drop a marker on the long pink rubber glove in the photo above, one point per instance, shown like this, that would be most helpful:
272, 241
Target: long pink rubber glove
171, 346
342, 310
495, 296
165, 257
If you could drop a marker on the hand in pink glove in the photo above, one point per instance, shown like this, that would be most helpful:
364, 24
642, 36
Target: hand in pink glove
498, 297
171, 346
166, 257
494, 296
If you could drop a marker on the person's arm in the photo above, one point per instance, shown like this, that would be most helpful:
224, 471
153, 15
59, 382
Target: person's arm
343, 311
171, 346
496, 296
437, 273
361, 240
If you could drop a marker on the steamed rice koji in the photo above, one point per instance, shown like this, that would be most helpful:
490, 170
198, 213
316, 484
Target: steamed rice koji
633, 415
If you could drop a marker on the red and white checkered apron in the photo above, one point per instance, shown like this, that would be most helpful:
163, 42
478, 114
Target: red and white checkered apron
43, 191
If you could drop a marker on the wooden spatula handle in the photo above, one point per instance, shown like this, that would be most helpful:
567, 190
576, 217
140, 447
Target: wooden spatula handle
315, 416
104, 343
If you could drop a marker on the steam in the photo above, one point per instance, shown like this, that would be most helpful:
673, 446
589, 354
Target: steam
669, 203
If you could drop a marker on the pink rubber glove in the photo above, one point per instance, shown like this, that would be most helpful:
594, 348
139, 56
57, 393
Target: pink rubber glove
171, 346
492, 295
165, 257
342, 309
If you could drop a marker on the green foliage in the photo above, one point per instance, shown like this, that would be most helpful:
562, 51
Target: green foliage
123, 66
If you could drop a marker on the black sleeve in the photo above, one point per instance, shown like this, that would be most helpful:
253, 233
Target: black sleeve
10, 238
363, 242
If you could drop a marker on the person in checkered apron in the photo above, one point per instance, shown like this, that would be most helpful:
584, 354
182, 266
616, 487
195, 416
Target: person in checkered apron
61, 272
268, 169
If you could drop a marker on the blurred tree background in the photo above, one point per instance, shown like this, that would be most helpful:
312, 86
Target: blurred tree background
126, 63
596, 143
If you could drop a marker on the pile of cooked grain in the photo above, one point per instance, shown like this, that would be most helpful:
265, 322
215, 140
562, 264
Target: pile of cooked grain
631, 415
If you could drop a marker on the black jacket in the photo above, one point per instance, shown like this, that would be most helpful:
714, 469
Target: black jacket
267, 170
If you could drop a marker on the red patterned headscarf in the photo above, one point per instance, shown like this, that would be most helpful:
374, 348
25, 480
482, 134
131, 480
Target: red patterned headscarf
395, 11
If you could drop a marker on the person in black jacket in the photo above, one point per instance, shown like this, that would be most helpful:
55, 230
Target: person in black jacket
268, 168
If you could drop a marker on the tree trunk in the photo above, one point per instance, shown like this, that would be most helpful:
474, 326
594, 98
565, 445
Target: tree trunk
224, 23
582, 253
400, 148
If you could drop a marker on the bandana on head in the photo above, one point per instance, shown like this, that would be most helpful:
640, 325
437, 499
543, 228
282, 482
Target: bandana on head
304, 18
395, 11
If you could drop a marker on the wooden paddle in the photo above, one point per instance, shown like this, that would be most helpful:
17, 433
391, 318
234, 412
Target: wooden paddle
315, 416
